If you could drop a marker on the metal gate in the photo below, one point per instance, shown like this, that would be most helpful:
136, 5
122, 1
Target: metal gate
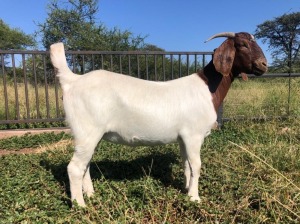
30, 93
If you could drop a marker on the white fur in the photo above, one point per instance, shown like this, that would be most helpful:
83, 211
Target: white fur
122, 109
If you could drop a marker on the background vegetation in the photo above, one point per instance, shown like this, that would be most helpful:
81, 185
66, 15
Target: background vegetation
263, 98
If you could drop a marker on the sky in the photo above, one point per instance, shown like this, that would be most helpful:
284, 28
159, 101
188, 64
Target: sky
174, 25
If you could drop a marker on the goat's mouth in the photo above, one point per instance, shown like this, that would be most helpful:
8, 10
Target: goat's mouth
258, 71
259, 67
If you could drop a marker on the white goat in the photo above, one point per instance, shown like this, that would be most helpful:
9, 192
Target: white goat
122, 109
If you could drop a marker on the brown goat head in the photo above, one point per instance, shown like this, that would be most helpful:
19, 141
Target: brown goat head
239, 54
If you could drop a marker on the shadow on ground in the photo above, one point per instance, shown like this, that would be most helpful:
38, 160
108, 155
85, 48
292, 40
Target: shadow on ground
157, 165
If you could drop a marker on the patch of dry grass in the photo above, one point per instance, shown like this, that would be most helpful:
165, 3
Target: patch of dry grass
34, 102
263, 98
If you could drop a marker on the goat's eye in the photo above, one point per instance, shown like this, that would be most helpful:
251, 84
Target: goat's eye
245, 44
242, 44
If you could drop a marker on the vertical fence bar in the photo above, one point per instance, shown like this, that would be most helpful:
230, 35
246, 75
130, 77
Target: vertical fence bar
37, 102
102, 67
164, 67
111, 63
17, 105
172, 67
188, 64
83, 65
26, 87
4, 88
93, 62
129, 65
155, 67
120, 64
289, 94
56, 94
195, 63
220, 116
146, 62
138, 66
180, 70
46, 88
74, 63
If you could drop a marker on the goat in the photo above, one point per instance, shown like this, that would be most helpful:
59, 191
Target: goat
127, 110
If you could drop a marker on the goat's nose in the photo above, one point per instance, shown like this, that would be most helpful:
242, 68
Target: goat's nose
261, 64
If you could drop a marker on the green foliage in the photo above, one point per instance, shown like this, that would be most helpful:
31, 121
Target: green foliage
283, 35
73, 23
12, 38
145, 184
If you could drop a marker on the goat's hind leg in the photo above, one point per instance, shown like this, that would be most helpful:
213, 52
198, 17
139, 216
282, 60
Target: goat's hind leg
88, 188
78, 169
186, 166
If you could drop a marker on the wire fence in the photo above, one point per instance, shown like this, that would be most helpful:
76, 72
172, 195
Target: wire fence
31, 95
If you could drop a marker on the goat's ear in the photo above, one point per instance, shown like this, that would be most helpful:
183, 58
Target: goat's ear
224, 57
244, 76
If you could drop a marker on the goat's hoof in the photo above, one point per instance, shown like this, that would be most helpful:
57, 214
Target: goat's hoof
80, 204
195, 199
89, 194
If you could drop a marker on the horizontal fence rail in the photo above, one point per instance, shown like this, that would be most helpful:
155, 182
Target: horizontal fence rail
30, 92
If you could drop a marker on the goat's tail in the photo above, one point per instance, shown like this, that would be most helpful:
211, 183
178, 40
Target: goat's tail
59, 62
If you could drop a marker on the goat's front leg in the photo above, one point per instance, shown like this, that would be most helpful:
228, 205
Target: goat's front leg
191, 146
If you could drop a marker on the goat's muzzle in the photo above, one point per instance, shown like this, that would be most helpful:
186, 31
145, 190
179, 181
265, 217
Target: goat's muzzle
260, 66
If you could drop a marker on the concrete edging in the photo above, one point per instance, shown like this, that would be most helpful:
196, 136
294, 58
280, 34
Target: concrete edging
20, 132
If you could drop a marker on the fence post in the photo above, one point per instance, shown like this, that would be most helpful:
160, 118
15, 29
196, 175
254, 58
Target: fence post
220, 116
289, 94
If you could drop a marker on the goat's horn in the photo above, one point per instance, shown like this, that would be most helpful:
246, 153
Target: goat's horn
224, 34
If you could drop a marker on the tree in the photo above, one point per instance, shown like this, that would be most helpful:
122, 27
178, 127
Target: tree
283, 36
12, 38
73, 23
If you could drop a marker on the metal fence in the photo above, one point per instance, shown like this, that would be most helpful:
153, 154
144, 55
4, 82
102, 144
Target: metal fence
30, 92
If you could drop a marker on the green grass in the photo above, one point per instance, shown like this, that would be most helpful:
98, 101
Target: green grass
255, 181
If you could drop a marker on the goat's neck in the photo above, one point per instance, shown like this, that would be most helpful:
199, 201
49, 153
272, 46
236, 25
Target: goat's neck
217, 83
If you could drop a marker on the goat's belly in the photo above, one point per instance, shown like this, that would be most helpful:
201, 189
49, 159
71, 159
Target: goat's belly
138, 140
